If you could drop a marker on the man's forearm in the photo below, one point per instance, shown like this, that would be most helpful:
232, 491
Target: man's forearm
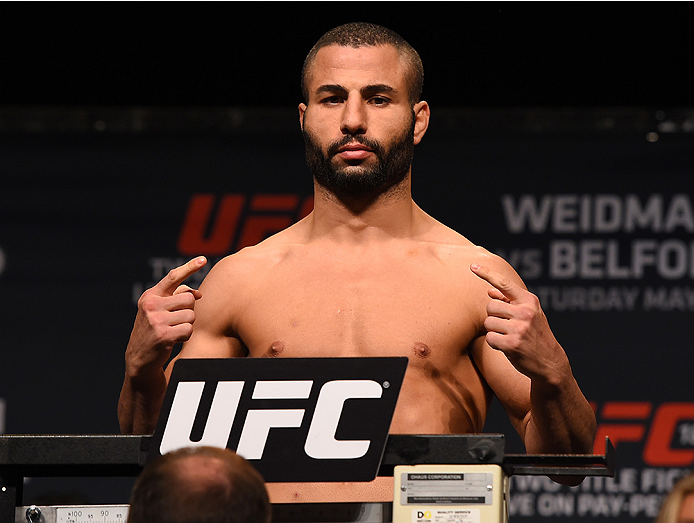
139, 404
561, 421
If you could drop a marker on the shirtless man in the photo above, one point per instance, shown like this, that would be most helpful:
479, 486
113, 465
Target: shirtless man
369, 273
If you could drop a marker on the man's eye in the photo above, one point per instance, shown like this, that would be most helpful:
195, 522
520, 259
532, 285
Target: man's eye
379, 100
332, 100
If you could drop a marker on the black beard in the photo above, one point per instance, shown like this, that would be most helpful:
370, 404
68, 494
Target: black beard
391, 167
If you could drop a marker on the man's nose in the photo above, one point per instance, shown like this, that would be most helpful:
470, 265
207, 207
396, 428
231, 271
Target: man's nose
354, 117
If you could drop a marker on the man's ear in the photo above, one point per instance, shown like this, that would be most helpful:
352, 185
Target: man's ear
421, 120
302, 111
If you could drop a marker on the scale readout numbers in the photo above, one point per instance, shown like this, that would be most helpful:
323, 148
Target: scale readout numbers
110, 514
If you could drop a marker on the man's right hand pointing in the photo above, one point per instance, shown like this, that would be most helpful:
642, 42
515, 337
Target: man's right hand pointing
165, 317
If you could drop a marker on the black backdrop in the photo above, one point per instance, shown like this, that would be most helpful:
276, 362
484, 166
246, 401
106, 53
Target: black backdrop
250, 53
561, 138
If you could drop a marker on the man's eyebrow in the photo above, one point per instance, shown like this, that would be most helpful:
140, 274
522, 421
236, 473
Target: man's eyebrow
331, 88
377, 88
365, 91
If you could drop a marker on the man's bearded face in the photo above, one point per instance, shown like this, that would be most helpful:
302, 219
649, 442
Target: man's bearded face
360, 178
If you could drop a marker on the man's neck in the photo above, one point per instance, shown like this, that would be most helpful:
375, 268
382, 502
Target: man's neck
359, 219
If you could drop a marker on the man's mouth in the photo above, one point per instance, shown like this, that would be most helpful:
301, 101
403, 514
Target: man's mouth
354, 151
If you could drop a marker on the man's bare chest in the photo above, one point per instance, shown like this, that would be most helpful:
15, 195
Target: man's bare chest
377, 311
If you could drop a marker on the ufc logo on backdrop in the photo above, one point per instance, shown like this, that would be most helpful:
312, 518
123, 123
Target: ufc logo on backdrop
216, 226
665, 430
294, 419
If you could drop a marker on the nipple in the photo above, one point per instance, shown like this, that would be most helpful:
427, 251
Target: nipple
275, 349
421, 350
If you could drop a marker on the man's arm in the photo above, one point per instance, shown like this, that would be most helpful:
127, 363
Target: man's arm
164, 317
546, 404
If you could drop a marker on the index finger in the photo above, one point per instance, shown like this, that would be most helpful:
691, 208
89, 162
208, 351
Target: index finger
171, 281
507, 287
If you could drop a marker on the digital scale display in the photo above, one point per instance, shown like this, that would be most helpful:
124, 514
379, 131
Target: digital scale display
98, 514
72, 514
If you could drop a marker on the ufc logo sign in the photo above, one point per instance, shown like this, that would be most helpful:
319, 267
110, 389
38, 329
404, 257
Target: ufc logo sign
294, 419
216, 226
666, 430
320, 442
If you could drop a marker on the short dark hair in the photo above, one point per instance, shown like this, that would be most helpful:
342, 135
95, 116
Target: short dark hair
163, 495
363, 34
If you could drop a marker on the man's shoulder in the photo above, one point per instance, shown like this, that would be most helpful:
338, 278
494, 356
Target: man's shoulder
449, 243
258, 258
464, 253
451, 247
